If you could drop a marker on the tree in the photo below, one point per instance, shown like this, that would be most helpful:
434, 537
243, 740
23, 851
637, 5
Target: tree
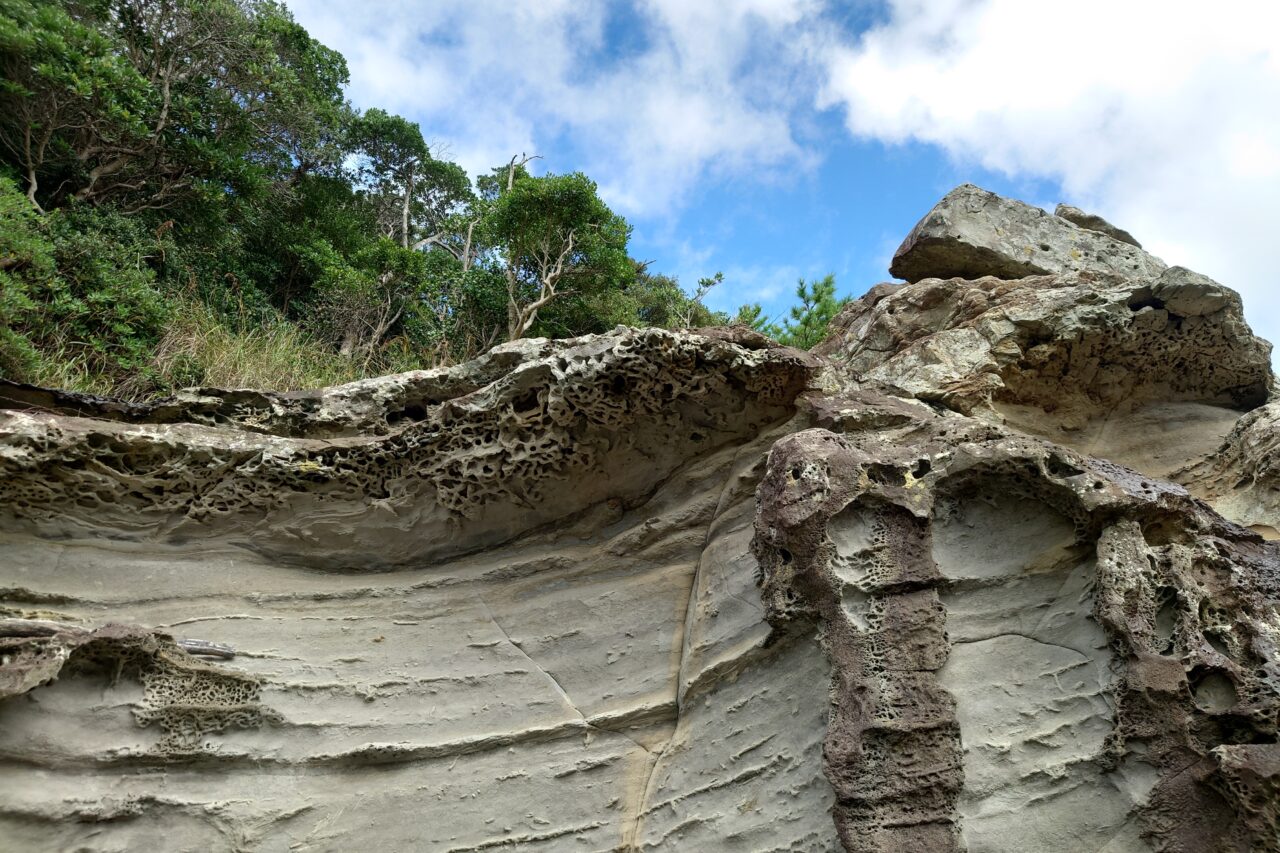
360, 300
554, 236
148, 104
753, 315
659, 300
174, 165
808, 322
414, 195
62, 83
694, 312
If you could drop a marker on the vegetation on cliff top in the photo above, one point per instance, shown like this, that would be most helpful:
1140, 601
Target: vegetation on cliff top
186, 197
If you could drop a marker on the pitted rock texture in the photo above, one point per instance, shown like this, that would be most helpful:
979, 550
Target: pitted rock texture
1242, 477
437, 478
586, 672
1149, 372
955, 581
1028, 644
1072, 346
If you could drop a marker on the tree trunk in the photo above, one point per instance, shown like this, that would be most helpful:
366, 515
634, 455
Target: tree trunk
404, 210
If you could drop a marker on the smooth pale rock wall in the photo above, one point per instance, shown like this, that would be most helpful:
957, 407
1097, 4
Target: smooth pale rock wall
516, 699
1031, 672
561, 689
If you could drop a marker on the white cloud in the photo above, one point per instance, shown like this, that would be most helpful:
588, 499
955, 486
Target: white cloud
1160, 114
704, 94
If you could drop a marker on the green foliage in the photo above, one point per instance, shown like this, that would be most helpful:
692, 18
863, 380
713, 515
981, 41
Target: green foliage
79, 283
104, 301
360, 299
159, 104
61, 76
753, 315
413, 195
659, 300
190, 193
200, 348
562, 249
25, 254
808, 322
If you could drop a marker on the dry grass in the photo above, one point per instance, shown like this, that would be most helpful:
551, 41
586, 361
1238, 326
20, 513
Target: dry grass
277, 355
199, 349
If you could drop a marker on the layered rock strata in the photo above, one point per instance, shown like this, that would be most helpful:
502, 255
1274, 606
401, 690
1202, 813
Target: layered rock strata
523, 617
957, 580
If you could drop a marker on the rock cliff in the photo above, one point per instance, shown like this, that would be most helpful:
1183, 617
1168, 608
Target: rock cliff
994, 568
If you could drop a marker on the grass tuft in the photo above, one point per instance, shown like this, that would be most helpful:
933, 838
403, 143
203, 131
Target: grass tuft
199, 348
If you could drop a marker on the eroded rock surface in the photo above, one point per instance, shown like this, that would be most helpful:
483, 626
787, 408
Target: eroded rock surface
1242, 477
1094, 223
956, 581
1027, 642
972, 233
434, 478
1073, 347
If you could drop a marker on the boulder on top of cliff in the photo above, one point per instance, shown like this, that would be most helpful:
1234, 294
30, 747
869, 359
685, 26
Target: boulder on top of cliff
1076, 344
1093, 222
1149, 368
973, 233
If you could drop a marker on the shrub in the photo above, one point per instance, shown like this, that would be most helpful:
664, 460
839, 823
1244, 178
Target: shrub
25, 254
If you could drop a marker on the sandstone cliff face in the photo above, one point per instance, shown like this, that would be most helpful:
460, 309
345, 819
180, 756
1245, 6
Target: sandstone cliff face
955, 581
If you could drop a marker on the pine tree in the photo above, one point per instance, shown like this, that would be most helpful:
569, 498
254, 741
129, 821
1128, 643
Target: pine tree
808, 323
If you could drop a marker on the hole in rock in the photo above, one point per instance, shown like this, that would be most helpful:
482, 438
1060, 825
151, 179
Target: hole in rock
1142, 299
1234, 728
411, 412
526, 403
1059, 467
887, 475
1166, 620
1218, 641
1214, 691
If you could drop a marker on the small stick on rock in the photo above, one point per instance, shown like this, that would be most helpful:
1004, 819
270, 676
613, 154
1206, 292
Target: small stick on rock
208, 649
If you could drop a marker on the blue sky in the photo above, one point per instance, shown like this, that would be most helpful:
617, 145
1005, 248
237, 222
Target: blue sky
771, 139
845, 216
